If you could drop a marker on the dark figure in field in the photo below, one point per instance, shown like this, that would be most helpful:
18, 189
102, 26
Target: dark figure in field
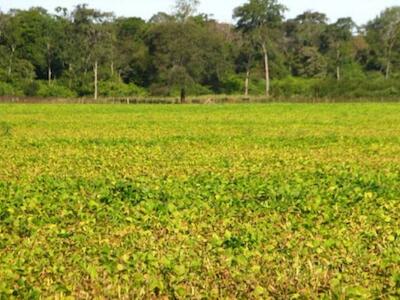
183, 95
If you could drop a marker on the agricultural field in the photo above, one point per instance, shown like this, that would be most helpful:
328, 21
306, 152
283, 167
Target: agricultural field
280, 201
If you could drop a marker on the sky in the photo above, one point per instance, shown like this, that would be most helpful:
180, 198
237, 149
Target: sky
360, 10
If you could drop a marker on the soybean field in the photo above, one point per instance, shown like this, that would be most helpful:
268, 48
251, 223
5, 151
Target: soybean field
262, 201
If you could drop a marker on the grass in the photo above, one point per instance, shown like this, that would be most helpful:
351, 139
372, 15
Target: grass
288, 201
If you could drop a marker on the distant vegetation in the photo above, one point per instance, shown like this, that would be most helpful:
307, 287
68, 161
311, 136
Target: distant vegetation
89, 53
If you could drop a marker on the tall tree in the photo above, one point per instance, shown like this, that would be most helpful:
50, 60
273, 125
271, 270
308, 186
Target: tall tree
338, 42
383, 34
131, 55
12, 37
306, 29
93, 38
303, 42
258, 19
185, 54
246, 58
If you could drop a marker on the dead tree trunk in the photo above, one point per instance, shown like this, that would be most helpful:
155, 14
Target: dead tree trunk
266, 65
49, 71
95, 80
70, 76
389, 50
338, 75
246, 84
387, 73
10, 65
49, 74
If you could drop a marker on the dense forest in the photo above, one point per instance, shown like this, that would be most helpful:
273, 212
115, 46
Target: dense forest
89, 53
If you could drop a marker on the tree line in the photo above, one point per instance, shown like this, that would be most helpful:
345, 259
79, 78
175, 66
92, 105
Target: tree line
87, 52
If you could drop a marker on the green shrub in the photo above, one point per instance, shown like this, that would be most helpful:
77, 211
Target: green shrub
157, 89
232, 84
374, 85
6, 89
54, 90
353, 71
31, 88
191, 90
295, 86
120, 89
257, 87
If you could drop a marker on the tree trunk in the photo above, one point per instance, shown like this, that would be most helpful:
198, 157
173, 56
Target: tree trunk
11, 61
70, 76
246, 84
112, 68
388, 64
387, 71
49, 72
338, 65
266, 65
183, 95
338, 73
387, 75
95, 80
10, 67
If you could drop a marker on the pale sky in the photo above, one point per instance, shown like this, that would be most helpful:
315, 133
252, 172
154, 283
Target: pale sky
360, 10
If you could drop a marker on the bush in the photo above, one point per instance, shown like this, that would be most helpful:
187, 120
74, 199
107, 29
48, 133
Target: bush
233, 84
257, 87
295, 86
7, 89
355, 88
175, 91
353, 71
31, 88
194, 89
374, 85
120, 89
159, 90
54, 90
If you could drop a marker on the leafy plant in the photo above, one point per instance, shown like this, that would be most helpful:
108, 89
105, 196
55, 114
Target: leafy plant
5, 128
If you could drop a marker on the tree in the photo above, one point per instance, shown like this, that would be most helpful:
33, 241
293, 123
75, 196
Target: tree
32, 38
89, 52
383, 34
258, 19
93, 37
306, 29
175, 63
246, 58
185, 9
52, 35
132, 59
309, 62
186, 55
161, 17
338, 42
303, 43
11, 38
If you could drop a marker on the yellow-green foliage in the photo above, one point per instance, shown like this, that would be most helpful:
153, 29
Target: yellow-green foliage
204, 202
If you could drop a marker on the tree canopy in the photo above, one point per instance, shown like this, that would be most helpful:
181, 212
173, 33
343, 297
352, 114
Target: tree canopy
85, 52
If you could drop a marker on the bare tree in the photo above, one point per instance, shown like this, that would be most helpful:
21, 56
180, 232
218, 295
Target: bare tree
185, 8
